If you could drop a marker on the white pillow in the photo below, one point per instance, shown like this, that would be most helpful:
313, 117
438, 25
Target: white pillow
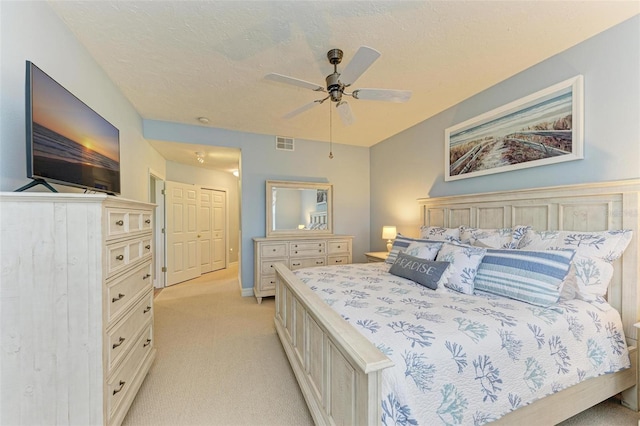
495, 238
438, 233
591, 270
465, 261
423, 250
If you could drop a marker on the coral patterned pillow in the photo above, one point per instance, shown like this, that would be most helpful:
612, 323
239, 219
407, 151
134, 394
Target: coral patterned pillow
592, 267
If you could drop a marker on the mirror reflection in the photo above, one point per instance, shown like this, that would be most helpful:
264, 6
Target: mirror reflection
298, 207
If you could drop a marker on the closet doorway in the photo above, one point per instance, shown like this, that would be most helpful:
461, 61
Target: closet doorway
196, 231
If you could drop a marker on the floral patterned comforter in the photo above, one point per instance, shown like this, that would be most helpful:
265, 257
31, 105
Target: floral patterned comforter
467, 359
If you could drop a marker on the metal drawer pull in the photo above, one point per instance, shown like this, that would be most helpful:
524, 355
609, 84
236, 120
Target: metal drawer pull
319, 251
147, 221
120, 222
120, 257
339, 246
319, 262
146, 276
119, 388
147, 343
296, 252
147, 309
339, 261
148, 247
120, 341
296, 264
115, 299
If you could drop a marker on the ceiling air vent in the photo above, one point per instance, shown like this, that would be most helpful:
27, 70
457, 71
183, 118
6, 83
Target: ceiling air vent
283, 143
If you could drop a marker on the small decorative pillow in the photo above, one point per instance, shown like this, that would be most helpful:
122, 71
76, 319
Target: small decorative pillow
437, 233
464, 261
529, 276
496, 238
592, 268
402, 244
428, 273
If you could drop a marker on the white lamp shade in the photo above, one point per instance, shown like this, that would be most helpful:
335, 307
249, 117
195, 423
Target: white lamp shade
389, 232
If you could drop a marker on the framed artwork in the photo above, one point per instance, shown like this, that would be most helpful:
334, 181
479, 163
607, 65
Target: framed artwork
321, 196
543, 128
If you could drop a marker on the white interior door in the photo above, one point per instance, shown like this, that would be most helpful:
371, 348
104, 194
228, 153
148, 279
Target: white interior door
183, 253
213, 243
205, 241
219, 229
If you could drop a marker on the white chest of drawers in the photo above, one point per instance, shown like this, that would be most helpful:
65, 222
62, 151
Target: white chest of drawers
295, 253
76, 307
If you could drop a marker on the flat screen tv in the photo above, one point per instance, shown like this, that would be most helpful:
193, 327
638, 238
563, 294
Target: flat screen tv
68, 143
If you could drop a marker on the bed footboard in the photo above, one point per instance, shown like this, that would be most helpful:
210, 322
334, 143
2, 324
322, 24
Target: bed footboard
338, 370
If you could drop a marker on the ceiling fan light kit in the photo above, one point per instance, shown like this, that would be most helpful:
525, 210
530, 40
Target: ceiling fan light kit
336, 83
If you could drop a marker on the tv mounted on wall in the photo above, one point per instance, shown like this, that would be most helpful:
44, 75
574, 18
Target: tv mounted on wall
68, 143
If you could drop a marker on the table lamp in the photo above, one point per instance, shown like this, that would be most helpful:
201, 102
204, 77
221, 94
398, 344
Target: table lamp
389, 233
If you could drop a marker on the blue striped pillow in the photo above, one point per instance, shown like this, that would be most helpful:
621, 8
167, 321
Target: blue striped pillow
401, 243
530, 276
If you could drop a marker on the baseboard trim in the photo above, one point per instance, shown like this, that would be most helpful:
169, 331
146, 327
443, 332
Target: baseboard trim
247, 292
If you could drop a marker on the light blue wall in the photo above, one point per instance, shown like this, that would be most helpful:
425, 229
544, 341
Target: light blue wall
410, 165
348, 171
32, 31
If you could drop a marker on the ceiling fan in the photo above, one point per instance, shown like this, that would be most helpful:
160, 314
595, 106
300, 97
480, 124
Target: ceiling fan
337, 83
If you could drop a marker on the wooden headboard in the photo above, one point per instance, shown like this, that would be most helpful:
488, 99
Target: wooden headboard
318, 217
586, 207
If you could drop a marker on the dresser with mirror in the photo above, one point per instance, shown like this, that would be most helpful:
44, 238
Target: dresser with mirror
299, 232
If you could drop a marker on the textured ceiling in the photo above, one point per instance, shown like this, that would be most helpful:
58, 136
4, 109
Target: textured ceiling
179, 60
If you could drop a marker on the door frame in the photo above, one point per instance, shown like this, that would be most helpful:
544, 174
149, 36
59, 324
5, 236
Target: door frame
157, 184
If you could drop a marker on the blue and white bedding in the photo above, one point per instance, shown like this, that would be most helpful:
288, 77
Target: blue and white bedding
467, 359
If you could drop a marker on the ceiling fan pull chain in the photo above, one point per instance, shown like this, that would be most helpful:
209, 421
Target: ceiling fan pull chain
330, 134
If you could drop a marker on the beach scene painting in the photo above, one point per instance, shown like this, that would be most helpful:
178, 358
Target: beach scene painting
539, 129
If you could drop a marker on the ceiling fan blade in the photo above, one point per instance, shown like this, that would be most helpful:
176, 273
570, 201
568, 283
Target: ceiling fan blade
344, 111
382, 95
294, 81
302, 109
361, 61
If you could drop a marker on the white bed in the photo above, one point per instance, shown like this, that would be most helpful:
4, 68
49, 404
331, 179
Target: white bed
339, 370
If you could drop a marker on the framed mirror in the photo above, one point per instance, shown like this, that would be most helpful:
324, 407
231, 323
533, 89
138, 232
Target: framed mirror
299, 208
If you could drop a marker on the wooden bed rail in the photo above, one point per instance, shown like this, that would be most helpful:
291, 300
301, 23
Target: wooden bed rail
338, 370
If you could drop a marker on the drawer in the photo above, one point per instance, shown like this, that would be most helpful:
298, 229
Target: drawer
122, 222
267, 268
307, 248
268, 283
120, 338
135, 250
338, 247
339, 260
122, 254
273, 250
147, 223
119, 383
147, 246
123, 291
306, 263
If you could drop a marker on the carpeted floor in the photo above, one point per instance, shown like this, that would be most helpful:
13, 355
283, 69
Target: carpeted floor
219, 362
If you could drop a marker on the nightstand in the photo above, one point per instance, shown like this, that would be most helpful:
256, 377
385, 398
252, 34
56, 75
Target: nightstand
376, 256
